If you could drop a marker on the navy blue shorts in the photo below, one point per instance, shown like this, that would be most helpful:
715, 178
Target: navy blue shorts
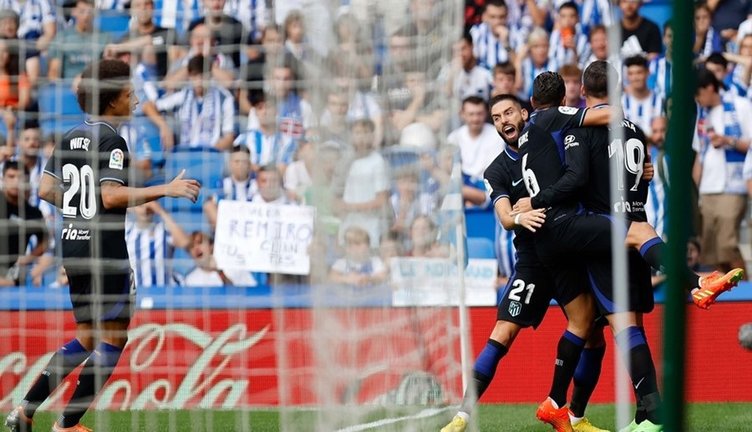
102, 297
527, 296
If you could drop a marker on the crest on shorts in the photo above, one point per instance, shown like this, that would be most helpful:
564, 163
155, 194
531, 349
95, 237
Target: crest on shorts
515, 308
116, 159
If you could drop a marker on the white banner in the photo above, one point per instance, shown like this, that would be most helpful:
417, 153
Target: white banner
265, 238
435, 282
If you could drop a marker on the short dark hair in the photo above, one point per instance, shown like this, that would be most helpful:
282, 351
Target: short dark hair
506, 68
706, 78
240, 149
570, 5
102, 82
197, 65
467, 37
599, 79
10, 165
548, 89
504, 97
496, 3
474, 100
669, 24
717, 58
636, 60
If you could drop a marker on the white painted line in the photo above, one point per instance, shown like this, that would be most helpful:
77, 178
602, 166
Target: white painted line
428, 412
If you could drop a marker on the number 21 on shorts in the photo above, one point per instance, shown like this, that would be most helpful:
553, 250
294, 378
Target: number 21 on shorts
518, 286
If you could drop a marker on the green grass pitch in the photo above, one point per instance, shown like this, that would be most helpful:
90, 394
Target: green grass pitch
726, 417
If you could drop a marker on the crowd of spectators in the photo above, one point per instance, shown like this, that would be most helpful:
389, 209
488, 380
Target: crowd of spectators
368, 110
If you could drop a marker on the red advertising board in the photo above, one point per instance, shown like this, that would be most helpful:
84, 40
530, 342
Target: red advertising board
228, 359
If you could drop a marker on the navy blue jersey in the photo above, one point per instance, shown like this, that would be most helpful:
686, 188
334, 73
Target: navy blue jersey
90, 154
504, 179
588, 152
542, 164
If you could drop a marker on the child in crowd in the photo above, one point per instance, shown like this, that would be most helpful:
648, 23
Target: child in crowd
358, 267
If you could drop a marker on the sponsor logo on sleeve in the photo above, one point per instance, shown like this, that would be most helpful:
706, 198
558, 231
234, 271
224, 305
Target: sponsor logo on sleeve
568, 110
569, 141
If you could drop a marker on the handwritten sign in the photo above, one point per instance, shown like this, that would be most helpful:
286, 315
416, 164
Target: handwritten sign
436, 282
263, 237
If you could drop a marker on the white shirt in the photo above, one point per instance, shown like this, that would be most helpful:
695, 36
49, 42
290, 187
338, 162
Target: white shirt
478, 81
33, 15
477, 153
199, 277
718, 176
297, 178
366, 178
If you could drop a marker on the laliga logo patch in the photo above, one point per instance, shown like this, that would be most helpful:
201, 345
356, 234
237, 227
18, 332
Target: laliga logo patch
116, 159
515, 308
567, 110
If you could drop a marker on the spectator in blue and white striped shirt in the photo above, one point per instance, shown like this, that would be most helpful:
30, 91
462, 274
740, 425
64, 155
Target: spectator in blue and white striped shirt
492, 40
640, 103
707, 39
533, 61
37, 25
569, 44
151, 244
660, 67
238, 186
655, 206
267, 145
205, 112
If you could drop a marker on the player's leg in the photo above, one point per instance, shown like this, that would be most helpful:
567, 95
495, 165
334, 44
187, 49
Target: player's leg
705, 290
63, 361
523, 303
571, 292
626, 325
111, 312
586, 376
632, 343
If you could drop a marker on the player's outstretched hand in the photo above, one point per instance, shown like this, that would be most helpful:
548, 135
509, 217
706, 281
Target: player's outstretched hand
533, 219
180, 187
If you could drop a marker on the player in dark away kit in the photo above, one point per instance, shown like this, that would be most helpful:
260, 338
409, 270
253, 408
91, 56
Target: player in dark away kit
87, 178
527, 296
587, 235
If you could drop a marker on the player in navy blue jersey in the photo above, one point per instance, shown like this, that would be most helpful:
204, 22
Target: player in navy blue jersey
587, 235
87, 178
526, 297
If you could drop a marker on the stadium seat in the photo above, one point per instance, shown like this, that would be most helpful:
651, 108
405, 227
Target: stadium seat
480, 247
58, 109
112, 22
480, 222
203, 164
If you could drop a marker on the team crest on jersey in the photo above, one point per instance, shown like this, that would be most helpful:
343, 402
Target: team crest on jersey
515, 308
116, 159
568, 110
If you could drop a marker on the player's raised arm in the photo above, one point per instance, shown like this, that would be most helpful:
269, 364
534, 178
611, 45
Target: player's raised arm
117, 195
600, 116
576, 174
